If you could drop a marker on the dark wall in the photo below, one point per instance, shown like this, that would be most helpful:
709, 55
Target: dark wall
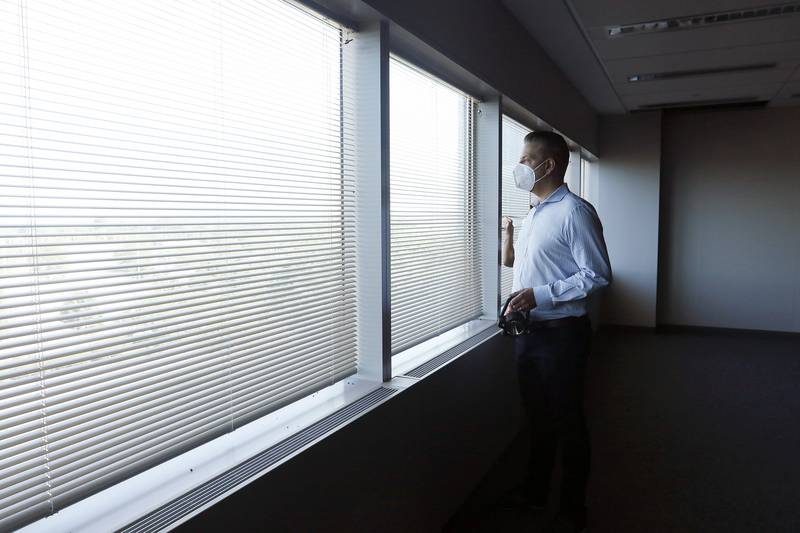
730, 250
484, 38
405, 466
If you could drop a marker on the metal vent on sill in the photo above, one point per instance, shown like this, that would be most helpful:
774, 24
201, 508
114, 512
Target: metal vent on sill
704, 20
199, 497
445, 357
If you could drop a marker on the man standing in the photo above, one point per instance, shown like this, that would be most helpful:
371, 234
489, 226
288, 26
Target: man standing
560, 260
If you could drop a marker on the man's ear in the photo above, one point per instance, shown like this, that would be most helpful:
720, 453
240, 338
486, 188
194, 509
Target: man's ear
551, 165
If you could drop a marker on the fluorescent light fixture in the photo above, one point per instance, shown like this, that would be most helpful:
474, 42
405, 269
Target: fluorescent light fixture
697, 103
675, 74
702, 20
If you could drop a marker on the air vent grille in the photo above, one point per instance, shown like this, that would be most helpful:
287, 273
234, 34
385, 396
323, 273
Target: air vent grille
198, 498
705, 20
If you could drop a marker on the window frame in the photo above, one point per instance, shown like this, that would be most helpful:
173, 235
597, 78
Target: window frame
435, 343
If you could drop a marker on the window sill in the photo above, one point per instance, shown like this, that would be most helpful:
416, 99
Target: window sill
415, 356
127, 501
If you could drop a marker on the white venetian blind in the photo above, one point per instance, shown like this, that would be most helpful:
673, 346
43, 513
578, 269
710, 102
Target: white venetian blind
176, 232
515, 201
435, 267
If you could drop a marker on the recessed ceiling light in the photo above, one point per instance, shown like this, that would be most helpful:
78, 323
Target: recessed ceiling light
701, 21
658, 76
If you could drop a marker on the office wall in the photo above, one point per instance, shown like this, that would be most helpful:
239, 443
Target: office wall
405, 466
731, 202
484, 38
625, 192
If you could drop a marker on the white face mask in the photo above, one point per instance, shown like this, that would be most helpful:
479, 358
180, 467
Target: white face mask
525, 176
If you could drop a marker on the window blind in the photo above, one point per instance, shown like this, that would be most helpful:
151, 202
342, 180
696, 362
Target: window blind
176, 232
435, 267
515, 202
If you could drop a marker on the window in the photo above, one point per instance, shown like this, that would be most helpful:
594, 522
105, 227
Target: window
515, 201
589, 180
572, 176
584, 175
176, 233
435, 262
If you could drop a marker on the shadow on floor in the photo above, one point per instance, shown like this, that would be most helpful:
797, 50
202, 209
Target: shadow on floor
480, 513
690, 433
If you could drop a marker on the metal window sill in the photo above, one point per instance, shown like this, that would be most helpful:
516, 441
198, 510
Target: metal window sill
126, 502
418, 355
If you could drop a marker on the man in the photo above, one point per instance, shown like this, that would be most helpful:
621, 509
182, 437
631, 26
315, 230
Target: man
560, 260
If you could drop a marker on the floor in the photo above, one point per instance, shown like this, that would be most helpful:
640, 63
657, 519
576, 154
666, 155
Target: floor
691, 432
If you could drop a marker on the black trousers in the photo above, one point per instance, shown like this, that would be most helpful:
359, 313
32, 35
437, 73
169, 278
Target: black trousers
551, 364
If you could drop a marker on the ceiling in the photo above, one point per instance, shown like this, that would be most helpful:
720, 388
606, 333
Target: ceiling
574, 33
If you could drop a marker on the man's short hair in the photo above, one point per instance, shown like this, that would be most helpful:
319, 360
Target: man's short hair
552, 145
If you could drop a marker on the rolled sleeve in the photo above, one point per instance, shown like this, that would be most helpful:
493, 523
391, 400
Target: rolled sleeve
543, 295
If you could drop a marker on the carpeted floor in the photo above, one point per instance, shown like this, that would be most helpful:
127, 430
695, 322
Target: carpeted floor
691, 432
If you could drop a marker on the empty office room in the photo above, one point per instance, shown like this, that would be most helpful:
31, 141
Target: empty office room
399, 266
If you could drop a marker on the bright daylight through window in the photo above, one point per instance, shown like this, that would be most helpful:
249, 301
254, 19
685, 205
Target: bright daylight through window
173, 193
435, 262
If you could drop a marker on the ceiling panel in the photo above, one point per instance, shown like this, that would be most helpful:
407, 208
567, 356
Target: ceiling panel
785, 54
763, 77
750, 42
752, 33
552, 24
609, 12
760, 92
789, 95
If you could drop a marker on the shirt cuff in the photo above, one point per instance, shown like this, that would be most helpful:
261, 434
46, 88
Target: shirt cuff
544, 297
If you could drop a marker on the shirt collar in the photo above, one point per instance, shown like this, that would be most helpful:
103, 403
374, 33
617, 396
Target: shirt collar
557, 195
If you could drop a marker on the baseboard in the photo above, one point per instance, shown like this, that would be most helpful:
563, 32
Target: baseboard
620, 328
674, 329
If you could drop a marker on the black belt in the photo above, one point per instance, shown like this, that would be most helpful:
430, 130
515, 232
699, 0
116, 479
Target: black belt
533, 325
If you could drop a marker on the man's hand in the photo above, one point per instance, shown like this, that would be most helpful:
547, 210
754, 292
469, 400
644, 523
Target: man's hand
507, 253
522, 301
508, 227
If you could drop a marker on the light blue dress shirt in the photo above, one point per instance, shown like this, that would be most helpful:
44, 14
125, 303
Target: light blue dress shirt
561, 254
